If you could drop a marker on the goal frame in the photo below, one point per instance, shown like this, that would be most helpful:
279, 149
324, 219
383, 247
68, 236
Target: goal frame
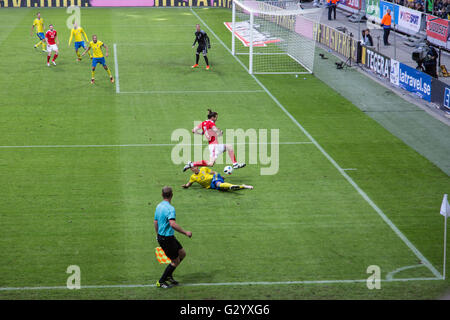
251, 52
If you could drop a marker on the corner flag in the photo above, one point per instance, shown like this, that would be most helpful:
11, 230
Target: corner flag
445, 207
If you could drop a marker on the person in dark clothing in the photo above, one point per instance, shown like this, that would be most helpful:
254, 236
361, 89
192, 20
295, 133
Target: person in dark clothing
203, 45
430, 61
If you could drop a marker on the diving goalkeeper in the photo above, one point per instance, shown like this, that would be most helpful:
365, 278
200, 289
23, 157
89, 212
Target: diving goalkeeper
209, 179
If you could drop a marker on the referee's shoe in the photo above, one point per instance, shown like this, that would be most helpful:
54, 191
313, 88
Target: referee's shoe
163, 285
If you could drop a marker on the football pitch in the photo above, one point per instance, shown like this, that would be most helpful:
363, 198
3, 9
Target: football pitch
82, 167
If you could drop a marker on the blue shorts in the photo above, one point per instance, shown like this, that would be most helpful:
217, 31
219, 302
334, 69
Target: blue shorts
79, 44
217, 178
40, 35
98, 60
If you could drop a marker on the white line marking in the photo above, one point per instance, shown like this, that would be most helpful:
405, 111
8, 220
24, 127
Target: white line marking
141, 145
116, 66
350, 169
418, 254
390, 275
214, 284
193, 92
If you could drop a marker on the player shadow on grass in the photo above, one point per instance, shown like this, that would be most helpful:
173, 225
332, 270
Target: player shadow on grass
198, 277
201, 189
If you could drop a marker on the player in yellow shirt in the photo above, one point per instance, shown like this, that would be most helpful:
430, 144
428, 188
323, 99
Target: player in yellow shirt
39, 24
98, 57
209, 179
77, 33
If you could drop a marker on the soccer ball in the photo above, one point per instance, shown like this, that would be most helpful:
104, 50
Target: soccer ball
228, 170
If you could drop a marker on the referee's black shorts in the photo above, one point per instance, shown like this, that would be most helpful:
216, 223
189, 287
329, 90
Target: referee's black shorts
170, 245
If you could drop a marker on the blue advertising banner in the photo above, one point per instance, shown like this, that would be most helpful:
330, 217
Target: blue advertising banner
440, 94
415, 81
394, 11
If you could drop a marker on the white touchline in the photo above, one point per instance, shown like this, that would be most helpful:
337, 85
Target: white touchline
212, 284
116, 69
418, 254
144, 145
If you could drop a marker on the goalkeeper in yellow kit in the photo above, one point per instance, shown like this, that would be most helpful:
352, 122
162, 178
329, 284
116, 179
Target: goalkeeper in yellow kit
209, 179
77, 33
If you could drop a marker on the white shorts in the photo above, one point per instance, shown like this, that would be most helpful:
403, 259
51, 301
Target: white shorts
52, 47
215, 150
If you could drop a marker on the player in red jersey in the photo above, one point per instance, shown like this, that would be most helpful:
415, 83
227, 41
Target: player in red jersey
211, 132
51, 37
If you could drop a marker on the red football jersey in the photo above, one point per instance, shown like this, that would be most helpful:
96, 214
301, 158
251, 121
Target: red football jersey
207, 125
51, 35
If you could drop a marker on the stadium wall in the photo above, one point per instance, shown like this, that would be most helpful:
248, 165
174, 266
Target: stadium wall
113, 3
337, 41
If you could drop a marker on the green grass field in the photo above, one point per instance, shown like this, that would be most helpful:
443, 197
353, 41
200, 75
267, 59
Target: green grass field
86, 197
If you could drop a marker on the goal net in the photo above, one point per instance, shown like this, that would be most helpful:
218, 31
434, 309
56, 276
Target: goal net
276, 36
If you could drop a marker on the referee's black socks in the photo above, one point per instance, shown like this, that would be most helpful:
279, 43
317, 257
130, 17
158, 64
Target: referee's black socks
196, 58
167, 273
206, 60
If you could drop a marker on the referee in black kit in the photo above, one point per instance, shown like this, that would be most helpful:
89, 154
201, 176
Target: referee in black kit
203, 45
164, 226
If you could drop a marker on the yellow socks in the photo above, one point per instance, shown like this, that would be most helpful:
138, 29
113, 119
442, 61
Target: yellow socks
225, 186
93, 74
109, 73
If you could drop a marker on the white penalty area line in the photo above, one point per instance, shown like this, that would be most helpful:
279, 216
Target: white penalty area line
394, 228
147, 145
212, 284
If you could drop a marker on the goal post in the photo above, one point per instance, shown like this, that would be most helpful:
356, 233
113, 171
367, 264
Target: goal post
277, 36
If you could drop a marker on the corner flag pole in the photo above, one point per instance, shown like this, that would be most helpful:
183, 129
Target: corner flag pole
445, 211
445, 245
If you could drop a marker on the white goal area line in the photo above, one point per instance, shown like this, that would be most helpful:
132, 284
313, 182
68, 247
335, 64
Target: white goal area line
212, 284
116, 69
192, 92
419, 255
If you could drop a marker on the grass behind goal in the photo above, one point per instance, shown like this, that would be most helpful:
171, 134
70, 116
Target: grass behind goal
94, 206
